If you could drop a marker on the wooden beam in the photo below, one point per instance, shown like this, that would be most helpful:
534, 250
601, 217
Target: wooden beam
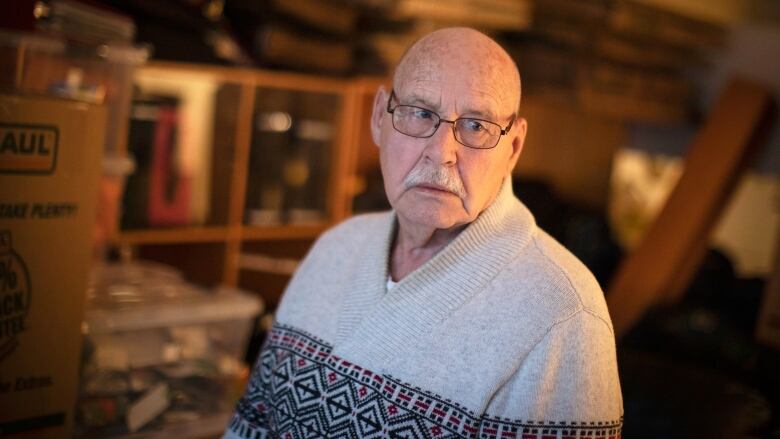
661, 267
342, 153
244, 124
768, 328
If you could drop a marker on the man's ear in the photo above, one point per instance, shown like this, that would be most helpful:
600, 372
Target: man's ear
378, 114
521, 127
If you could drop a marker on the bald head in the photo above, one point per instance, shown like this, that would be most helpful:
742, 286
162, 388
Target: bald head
461, 54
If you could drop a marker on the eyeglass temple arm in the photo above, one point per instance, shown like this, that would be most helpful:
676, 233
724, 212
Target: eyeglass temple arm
509, 127
389, 100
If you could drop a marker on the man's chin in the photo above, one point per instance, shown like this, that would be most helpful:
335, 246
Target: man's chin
432, 218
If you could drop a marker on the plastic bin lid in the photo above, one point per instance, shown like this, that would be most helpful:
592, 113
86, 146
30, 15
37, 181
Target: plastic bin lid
142, 295
113, 286
115, 52
32, 41
209, 308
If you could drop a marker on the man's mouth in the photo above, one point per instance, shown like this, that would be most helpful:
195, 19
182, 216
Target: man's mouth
434, 187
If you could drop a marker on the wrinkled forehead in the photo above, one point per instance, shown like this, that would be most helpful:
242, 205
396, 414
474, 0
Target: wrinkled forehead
480, 68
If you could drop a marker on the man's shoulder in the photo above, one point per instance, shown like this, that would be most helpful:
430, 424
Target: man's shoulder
556, 278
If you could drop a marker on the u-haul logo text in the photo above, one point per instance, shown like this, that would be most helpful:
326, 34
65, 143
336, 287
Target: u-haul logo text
28, 149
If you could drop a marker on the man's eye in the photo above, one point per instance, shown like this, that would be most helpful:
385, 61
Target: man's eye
421, 113
474, 125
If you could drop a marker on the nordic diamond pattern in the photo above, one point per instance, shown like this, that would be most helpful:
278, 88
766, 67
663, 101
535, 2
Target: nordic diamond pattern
300, 390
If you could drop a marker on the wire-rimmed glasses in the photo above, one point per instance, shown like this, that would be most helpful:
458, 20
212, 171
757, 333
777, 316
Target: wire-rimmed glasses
421, 122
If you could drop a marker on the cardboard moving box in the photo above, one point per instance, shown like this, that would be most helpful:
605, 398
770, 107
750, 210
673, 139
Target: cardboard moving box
50, 152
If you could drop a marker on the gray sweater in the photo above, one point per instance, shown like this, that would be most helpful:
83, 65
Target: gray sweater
503, 333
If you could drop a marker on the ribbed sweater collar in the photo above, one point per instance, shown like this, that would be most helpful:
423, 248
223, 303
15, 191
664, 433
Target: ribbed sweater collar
377, 323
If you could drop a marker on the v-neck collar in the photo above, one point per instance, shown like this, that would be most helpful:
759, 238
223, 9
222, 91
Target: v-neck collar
375, 323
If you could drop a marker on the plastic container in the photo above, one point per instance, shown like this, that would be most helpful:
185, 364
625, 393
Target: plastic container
161, 357
37, 63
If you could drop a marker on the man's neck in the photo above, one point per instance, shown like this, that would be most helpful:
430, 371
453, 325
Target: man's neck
415, 245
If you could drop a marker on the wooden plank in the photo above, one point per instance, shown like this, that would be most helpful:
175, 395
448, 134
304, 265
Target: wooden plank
238, 183
660, 267
632, 94
627, 108
718, 12
343, 152
223, 151
512, 15
283, 232
334, 17
768, 328
646, 54
641, 20
280, 46
187, 235
274, 79
172, 236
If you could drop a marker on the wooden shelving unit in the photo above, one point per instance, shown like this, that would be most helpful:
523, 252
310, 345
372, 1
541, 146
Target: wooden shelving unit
211, 253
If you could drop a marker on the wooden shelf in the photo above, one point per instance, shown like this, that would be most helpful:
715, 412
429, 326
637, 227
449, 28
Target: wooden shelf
173, 235
251, 76
280, 232
218, 234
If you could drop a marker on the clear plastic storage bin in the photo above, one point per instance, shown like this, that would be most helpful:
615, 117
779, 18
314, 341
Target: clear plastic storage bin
161, 357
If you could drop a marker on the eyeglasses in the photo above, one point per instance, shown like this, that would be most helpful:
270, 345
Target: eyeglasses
420, 122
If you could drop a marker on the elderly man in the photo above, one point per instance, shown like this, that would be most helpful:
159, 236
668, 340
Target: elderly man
453, 315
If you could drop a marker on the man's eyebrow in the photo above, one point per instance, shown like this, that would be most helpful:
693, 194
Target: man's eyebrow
472, 112
421, 101
480, 114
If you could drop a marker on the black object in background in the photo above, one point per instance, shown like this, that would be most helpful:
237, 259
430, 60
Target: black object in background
583, 231
140, 144
289, 160
181, 30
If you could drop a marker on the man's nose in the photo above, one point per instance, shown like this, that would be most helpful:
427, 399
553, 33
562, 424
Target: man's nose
442, 147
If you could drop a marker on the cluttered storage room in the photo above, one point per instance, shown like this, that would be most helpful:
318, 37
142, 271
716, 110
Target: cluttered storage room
531, 219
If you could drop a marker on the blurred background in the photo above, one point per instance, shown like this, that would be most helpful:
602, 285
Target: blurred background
237, 131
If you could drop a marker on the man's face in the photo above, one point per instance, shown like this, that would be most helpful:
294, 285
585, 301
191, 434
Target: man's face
436, 181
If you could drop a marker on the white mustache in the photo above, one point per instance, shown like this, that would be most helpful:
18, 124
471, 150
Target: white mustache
438, 176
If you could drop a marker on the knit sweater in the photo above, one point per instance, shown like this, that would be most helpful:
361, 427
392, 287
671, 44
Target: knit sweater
503, 334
